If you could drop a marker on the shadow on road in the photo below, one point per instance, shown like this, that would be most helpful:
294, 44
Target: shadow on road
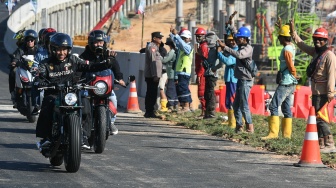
13, 119
16, 130
31, 167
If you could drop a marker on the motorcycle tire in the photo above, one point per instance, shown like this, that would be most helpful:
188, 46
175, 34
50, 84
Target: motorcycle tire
31, 118
100, 129
57, 160
72, 153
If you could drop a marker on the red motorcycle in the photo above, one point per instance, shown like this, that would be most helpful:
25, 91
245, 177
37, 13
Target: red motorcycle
102, 109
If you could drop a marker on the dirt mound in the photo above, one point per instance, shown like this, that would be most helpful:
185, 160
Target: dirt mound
157, 18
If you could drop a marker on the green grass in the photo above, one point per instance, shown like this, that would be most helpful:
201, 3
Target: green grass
283, 146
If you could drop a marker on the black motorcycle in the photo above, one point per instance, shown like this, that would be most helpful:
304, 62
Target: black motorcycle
66, 129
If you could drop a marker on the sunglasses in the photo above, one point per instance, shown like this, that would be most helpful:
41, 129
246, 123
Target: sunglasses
183, 38
30, 40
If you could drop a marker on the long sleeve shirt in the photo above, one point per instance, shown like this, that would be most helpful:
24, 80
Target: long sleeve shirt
243, 56
153, 64
202, 53
230, 63
169, 60
323, 81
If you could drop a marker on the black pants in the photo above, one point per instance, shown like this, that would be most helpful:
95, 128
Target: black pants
151, 94
86, 117
209, 95
11, 79
44, 121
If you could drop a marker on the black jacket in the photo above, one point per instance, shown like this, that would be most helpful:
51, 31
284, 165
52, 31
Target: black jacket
19, 52
57, 72
90, 56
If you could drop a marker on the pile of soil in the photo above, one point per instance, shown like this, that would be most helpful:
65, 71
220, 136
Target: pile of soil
157, 18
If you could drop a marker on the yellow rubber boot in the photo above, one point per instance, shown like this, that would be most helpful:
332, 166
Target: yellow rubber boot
286, 127
164, 105
273, 124
232, 119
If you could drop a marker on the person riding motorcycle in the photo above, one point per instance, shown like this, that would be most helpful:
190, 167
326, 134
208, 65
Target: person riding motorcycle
28, 48
60, 67
43, 51
96, 51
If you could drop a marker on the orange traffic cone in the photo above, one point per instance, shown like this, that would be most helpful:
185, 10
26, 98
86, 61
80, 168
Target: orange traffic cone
310, 155
133, 103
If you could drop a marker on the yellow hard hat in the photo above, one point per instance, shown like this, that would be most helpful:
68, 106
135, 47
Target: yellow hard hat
284, 31
230, 37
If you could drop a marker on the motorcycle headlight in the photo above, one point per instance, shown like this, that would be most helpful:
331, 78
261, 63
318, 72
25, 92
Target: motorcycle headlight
101, 88
70, 99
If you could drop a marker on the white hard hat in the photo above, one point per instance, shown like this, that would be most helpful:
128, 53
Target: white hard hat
186, 34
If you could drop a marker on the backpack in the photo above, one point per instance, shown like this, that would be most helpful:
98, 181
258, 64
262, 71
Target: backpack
251, 67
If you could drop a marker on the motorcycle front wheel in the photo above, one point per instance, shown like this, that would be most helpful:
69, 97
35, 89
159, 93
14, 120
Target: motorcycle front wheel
100, 129
72, 153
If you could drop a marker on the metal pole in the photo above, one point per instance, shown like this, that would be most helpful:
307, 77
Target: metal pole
143, 25
35, 23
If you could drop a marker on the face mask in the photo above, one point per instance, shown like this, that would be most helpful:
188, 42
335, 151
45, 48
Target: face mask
99, 50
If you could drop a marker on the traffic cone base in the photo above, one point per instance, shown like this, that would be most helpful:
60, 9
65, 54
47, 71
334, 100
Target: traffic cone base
310, 155
133, 103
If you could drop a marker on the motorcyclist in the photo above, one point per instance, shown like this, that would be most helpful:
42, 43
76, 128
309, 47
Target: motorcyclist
28, 48
96, 51
40, 44
60, 67
42, 53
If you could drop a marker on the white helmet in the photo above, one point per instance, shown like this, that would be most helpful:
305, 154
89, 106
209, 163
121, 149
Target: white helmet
186, 34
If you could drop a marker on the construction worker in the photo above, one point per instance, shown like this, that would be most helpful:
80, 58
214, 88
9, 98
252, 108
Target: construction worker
201, 54
230, 80
284, 91
153, 73
322, 73
183, 67
245, 78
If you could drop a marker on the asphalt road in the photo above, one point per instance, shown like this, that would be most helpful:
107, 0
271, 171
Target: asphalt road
145, 153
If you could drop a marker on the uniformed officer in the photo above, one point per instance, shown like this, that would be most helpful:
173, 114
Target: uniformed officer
153, 72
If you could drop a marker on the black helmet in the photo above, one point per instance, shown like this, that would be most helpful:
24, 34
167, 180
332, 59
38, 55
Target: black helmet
97, 35
46, 39
60, 40
40, 33
30, 33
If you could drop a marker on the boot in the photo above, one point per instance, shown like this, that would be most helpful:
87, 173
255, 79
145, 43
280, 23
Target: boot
273, 124
232, 119
329, 145
249, 128
286, 127
163, 105
321, 143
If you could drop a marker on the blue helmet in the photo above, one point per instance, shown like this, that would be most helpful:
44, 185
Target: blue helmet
243, 32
